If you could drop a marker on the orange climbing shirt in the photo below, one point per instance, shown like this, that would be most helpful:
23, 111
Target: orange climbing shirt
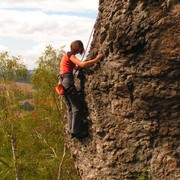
66, 65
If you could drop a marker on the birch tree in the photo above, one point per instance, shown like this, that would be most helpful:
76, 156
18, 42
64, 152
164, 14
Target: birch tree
10, 69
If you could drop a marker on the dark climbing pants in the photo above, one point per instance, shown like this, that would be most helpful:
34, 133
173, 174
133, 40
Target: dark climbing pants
73, 104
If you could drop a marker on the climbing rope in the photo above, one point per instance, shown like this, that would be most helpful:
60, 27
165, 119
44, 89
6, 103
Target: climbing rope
86, 46
88, 43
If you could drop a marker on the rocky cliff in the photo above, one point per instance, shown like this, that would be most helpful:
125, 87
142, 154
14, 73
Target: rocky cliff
133, 94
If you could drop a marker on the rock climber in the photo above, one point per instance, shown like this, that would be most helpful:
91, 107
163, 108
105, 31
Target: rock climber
68, 64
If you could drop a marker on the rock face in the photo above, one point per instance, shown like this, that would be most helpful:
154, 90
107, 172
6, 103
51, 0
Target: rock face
133, 94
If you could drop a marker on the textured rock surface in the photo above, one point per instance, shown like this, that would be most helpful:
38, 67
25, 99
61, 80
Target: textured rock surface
133, 94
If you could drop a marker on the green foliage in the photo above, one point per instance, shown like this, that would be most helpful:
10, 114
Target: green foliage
50, 116
11, 68
45, 75
32, 143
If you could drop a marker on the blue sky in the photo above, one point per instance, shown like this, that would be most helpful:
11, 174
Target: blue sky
28, 26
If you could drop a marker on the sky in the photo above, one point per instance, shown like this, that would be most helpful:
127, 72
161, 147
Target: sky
28, 26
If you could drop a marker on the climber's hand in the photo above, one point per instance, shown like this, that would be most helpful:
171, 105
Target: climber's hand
99, 56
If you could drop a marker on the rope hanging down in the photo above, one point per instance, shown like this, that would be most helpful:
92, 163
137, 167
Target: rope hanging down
86, 47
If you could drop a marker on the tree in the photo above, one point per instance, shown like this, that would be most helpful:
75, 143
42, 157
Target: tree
50, 114
10, 69
32, 142
46, 76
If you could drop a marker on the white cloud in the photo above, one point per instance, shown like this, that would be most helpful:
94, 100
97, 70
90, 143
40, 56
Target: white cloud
30, 23
26, 32
41, 27
3, 48
31, 56
55, 5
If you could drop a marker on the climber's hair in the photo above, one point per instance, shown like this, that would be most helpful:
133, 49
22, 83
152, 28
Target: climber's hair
77, 47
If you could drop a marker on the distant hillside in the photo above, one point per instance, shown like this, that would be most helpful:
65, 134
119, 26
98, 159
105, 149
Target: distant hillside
28, 79
25, 87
